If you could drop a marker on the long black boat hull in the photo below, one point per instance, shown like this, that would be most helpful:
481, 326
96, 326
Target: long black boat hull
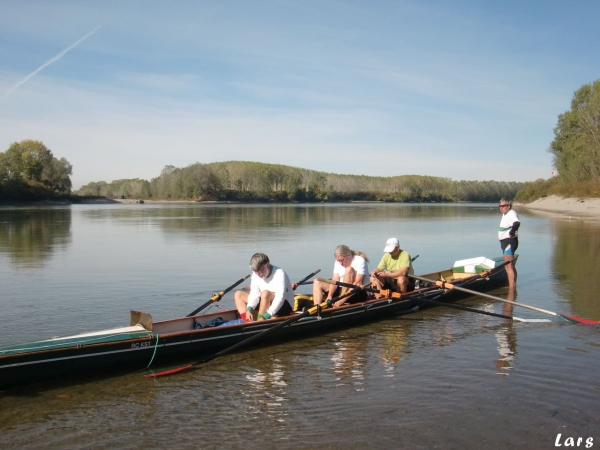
135, 348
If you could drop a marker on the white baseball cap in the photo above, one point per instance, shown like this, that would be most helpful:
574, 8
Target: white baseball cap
391, 244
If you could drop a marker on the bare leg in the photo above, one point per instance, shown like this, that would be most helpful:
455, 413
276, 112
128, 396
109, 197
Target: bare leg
377, 283
511, 271
349, 277
319, 290
402, 284
266, 297
241, 303
508, 308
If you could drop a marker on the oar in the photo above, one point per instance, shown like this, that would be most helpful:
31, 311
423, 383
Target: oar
569, 318
479, 311
387, 293
463, 308
217, 296
308, 277
260, 335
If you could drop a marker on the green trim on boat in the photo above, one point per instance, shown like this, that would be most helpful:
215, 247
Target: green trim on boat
73, 342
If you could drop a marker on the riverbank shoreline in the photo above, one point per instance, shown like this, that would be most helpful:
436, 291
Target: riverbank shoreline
587, 209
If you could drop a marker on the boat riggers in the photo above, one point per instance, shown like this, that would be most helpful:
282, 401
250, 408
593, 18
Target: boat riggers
448, 285
262, 334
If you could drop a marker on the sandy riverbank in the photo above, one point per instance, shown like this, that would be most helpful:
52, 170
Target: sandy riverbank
568, 208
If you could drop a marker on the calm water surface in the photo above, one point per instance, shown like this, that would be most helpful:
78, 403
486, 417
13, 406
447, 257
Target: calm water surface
440, 378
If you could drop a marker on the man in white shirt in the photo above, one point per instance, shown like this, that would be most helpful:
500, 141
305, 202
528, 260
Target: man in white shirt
509, 238
271, 293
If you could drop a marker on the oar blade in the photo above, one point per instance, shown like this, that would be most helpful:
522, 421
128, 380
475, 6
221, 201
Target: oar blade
518, 319
575, 319
168, 372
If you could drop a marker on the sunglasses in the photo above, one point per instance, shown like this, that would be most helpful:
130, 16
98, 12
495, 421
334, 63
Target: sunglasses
502, 206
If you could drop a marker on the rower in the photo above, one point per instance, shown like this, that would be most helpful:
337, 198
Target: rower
393, 269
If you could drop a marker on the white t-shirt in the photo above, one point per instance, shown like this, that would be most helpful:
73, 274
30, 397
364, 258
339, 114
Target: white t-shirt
506, 224
358, 263
277, 282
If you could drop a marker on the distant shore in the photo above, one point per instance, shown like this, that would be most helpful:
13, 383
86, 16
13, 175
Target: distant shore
104, 201
568, 208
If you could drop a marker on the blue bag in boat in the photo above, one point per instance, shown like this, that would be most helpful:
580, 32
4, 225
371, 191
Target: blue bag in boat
215, 322
233, 322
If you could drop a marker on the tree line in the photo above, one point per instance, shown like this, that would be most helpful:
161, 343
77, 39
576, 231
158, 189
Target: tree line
29, 171
261, 182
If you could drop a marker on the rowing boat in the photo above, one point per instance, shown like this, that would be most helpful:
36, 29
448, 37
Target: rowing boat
145, 343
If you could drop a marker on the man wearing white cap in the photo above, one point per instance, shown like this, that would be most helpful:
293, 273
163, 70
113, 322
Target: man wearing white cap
393, 269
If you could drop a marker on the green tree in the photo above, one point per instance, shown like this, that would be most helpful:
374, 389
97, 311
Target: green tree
26, 160
576, 145
56, 175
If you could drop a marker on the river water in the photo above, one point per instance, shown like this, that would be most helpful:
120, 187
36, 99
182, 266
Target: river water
439, 378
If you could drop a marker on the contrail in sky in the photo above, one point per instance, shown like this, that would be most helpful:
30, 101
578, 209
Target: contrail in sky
50, 61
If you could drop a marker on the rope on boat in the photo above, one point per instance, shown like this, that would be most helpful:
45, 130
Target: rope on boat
153, 353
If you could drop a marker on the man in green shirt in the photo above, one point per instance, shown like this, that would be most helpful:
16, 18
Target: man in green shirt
393, 269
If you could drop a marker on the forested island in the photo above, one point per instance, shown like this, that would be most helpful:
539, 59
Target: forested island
245, 181
30, 172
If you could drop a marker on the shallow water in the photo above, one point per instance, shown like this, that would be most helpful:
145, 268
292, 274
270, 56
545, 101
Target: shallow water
440, 378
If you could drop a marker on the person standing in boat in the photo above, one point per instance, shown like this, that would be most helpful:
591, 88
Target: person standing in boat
393, 269
350, 267
509, 239
271, 292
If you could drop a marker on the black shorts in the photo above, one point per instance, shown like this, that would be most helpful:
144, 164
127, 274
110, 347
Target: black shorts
360, 296
285, 310
509, 246
390, 283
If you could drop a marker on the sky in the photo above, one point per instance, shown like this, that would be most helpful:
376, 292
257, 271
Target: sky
467, 90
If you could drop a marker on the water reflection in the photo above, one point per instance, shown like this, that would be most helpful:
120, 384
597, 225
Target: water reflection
227, 218
31, 236
575, 266
394, 348
267, 389
506, 336
349, 362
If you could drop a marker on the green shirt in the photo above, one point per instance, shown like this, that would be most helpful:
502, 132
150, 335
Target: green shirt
390, 264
